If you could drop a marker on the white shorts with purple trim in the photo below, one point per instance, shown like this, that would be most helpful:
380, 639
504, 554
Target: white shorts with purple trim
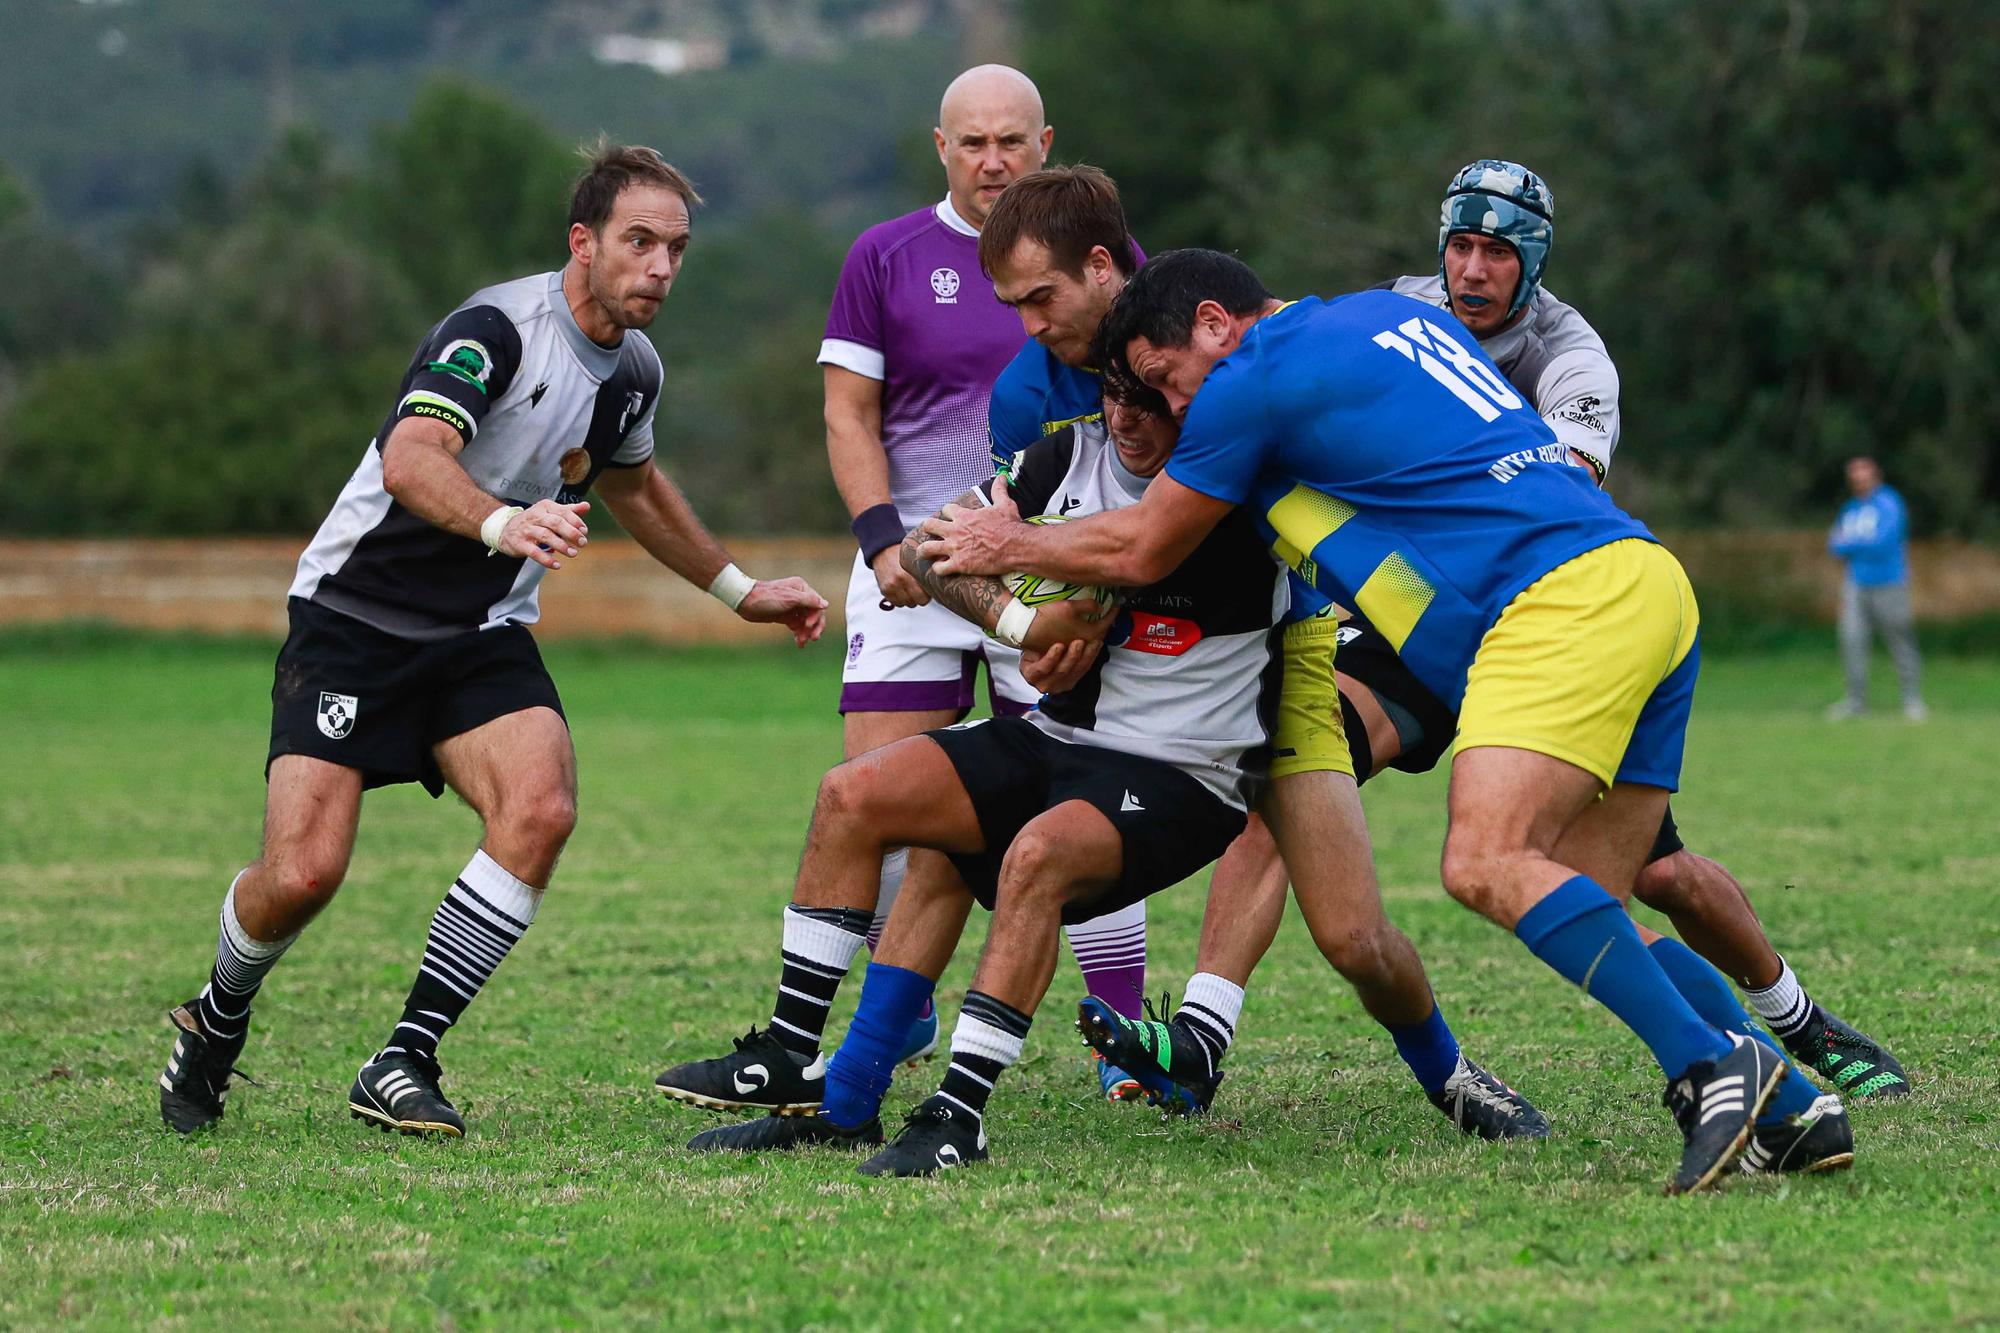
909, 659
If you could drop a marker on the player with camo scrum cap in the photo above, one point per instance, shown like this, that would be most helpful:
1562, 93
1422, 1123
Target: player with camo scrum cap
1495, 229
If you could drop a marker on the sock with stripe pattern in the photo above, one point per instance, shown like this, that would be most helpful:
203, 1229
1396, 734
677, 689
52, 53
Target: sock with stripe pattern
988, 1038
480, 920
820, 944
223, 1007
1111, 951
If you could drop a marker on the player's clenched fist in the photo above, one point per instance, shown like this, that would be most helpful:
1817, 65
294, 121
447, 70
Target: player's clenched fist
544, 531
790, 602
898, 588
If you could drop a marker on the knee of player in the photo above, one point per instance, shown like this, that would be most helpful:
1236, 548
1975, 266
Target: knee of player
1036, 866
1355, 950
303, 880
1662, 886
1471, 874
841, 793
544, 818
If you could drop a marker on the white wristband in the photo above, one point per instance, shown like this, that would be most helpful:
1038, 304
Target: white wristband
1016, 618
731, 586
495, 524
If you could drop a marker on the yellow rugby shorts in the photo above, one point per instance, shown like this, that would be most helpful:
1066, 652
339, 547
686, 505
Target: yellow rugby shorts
1311, 738
1593, 664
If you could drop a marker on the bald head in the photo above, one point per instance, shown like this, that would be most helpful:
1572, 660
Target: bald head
989, 133
987, 90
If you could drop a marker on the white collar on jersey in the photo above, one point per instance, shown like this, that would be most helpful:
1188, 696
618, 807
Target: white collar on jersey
949, 216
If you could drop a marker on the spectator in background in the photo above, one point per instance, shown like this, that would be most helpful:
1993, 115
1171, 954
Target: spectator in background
1870, 535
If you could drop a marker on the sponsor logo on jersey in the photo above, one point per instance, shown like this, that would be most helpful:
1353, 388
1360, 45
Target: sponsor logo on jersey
336, 714
1506, 468
633, 402
575, 467
944, 281
535, 398
1584, 412
466, 360
1163, 636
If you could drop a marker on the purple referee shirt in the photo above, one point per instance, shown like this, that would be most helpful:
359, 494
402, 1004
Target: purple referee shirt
913, 310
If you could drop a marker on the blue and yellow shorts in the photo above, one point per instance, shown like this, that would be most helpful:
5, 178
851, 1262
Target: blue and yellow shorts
1593, 664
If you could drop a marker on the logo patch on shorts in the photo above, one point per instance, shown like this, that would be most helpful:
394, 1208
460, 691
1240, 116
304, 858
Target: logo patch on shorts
854, 649
336, 714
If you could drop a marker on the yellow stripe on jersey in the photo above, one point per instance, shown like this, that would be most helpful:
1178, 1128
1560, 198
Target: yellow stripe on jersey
1303, 519
1395, 596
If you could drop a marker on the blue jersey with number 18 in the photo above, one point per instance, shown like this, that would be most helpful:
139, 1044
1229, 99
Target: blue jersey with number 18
1395, 469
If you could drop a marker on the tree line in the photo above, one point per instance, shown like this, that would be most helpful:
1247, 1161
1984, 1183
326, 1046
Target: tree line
1773, 211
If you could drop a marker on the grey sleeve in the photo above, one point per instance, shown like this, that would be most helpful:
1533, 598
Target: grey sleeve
1578, 396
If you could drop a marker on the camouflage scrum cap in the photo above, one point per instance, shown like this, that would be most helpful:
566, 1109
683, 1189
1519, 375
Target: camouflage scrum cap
1506, 200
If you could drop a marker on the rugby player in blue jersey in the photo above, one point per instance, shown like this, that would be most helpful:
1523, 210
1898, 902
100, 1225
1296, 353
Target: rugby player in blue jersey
1398, 472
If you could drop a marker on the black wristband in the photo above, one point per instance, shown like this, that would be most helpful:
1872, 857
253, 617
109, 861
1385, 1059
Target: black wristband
877, 528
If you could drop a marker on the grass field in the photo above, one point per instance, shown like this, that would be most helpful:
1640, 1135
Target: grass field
1324, 1192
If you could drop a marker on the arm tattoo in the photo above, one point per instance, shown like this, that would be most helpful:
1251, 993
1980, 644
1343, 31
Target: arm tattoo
978, 598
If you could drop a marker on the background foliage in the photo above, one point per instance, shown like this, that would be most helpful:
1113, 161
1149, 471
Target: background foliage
1774, 213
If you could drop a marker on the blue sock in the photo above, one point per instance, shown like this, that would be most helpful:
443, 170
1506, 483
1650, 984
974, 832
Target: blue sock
1582, 932
859, 1074
1428, 1048
1710, 994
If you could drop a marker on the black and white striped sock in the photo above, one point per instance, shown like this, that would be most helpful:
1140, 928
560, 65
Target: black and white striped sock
820, 944
988, 1039
1209, 1009
223, 1007
1783, 1004
484, 915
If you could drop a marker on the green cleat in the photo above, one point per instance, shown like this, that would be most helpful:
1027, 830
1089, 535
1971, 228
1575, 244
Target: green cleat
1173, 1070
1851, 1060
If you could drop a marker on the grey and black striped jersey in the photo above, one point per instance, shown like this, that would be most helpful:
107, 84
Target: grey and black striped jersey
1190, 675
1554, 357
542, 410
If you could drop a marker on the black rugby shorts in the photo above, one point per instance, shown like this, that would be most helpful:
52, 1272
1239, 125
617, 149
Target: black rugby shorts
1170, 825
362, 698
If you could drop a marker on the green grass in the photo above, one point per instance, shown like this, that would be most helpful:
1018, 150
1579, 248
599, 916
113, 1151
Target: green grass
1324, 1193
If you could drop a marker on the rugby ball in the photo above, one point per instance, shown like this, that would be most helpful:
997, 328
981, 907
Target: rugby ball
1035, 590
